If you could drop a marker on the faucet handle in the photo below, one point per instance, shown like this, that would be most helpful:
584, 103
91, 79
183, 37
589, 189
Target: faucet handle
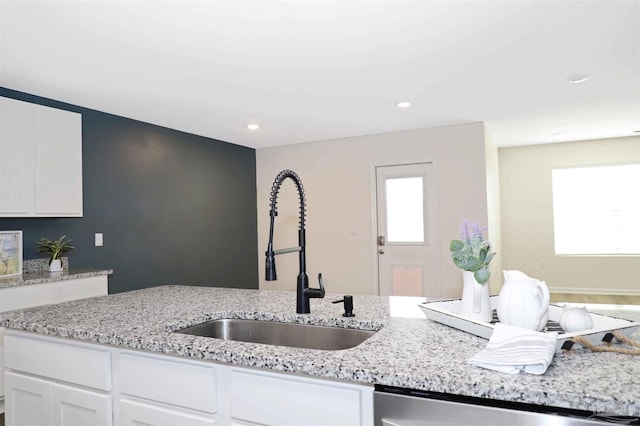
321, 282
313, 293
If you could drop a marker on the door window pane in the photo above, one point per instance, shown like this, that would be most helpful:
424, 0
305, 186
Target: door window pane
405, 220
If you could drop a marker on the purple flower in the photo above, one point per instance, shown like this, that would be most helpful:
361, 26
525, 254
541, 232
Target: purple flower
473, 236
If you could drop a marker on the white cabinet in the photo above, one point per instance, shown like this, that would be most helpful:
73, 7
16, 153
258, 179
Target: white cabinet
276, 399
154, 386
169, 381
71, 406
135, 413
28, 400
58, 162
40, 161
154, 389
32, 401
162, 391
80, 288
28, 296
16, 158
50, 383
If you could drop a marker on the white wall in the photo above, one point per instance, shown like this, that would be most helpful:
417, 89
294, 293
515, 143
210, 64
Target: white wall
527, 217
493, 211
338, 178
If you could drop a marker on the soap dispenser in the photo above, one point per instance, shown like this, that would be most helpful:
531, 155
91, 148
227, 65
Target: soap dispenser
348, 306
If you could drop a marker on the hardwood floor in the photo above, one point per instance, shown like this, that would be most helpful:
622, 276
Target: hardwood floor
595, 298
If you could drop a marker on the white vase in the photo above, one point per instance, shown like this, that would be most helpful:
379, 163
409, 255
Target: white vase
475, 303
55, 265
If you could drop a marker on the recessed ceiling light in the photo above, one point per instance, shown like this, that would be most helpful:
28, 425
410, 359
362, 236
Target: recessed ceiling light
577, 78
403, 104
253, 126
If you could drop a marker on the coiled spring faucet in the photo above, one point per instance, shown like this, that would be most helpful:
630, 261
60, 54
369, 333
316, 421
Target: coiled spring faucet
303, 291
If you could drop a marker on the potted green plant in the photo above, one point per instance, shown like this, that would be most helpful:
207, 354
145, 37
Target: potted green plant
56, 249
472, 252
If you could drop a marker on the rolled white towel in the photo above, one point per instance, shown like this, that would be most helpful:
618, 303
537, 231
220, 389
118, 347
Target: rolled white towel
516, 350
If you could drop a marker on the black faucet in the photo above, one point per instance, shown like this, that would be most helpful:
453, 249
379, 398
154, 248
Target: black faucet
303, 291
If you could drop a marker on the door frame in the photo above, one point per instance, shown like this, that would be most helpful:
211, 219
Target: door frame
375, 266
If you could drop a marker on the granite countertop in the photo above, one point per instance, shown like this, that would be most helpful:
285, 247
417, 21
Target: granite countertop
43, 276
407, 351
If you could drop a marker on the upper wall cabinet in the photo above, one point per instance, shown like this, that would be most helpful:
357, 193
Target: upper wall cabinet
40, 161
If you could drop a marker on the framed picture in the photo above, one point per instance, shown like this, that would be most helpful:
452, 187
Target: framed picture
10, 253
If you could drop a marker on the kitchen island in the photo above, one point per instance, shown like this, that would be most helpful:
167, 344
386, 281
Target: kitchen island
407, 351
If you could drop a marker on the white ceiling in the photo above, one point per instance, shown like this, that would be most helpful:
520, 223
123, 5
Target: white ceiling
317, 70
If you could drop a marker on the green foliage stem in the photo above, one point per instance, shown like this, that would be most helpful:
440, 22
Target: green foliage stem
55, 249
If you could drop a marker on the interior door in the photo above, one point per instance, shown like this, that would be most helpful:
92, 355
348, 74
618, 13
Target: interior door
406, 242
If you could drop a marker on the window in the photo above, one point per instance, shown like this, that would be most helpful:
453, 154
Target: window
405, 216
596, 210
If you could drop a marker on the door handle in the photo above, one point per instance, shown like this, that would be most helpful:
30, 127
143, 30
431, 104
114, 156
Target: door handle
381, 251
381, 240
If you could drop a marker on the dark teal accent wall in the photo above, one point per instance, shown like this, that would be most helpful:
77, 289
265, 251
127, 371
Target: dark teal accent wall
174, 208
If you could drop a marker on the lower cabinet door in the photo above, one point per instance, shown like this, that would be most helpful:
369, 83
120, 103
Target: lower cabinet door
37, 402
28, 401
75, 407
146, 413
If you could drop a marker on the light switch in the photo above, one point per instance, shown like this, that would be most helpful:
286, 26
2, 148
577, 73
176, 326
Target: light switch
98, 239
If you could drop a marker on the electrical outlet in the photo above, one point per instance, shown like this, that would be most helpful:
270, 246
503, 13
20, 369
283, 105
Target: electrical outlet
99, 239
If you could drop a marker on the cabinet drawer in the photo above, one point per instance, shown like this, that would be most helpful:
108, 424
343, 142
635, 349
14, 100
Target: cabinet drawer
133, 413
82, 288
81, 366
26, 296
275, 400
172, 382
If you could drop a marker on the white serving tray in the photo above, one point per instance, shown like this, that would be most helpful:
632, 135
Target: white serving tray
447, 312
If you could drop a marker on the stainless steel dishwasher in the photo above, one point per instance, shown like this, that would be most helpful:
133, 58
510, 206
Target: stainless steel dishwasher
407, 407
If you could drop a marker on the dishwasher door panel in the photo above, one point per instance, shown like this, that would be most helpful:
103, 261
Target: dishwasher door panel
392, 409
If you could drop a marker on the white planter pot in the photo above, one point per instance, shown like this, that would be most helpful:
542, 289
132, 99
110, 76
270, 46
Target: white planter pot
55, 265
475, 303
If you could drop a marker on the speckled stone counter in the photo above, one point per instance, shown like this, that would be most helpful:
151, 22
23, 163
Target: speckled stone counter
40, 277
407, 351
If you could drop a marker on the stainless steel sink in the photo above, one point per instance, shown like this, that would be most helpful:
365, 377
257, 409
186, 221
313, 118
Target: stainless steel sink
280, 333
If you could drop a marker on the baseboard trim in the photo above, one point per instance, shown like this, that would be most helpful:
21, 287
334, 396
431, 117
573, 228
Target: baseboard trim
598, 291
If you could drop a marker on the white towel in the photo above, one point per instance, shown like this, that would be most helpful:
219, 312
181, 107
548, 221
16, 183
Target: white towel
516, 350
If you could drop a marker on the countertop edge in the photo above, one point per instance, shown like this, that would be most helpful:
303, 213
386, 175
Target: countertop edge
43, 277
